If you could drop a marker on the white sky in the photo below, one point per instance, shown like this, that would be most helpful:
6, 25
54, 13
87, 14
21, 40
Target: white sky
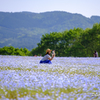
84, 7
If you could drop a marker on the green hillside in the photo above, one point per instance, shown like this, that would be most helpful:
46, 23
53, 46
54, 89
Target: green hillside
25, 29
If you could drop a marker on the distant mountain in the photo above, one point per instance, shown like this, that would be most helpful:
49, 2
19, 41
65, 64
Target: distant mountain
24, 29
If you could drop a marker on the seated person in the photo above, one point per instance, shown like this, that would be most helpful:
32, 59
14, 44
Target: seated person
47, 58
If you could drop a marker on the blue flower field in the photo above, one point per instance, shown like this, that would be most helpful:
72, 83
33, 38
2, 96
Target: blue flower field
67, 78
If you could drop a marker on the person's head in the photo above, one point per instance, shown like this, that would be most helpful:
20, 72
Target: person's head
48, 51
95, 51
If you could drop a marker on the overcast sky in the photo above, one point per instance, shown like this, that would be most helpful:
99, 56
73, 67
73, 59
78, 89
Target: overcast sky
84, 7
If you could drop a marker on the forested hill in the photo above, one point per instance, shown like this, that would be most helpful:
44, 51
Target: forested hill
24, 29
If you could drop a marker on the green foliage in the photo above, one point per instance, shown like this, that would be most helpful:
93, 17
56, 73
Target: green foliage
14, 51
76, 42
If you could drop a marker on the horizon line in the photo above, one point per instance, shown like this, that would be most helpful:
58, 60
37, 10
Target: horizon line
46, 12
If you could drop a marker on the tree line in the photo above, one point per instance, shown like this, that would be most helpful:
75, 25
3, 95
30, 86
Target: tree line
69, 43
74, 42
14, 51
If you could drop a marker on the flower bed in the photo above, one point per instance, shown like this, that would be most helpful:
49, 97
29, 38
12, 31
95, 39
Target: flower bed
67, 78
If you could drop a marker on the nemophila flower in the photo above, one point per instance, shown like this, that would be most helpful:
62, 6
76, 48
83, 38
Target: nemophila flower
67, 78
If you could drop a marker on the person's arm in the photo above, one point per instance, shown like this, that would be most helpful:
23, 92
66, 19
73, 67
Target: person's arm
97, 54
94, 54
51, 57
